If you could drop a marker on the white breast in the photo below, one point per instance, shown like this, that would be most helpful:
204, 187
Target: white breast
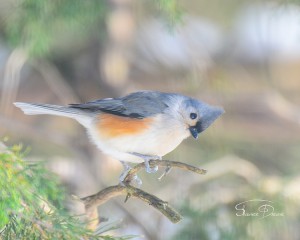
164, 135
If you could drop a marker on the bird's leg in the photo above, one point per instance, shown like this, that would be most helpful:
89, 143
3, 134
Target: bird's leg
127, 168
125, 171
146, 159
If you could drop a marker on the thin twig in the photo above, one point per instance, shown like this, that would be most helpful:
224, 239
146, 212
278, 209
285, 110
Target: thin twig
162, 163
92, 202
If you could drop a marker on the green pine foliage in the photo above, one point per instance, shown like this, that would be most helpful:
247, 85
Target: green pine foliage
31, 202
37, 25
170, 11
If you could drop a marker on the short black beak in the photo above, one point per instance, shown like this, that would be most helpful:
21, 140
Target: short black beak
210, 116
195, 130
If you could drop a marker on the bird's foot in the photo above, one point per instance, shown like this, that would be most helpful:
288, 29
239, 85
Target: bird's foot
146, 159
135, 180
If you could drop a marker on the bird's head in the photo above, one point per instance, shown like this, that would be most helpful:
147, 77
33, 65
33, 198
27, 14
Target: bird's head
198, 115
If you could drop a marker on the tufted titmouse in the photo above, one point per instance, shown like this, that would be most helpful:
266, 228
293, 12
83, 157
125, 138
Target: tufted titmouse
139, 127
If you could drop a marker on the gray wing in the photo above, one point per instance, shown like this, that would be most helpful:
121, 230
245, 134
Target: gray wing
136, 105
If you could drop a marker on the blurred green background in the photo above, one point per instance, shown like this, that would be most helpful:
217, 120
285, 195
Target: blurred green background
242, 55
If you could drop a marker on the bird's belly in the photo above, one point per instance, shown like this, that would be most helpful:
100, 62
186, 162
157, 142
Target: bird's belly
148, 143
157, 140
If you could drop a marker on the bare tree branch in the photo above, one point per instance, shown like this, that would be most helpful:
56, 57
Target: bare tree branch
162, 163
92, 202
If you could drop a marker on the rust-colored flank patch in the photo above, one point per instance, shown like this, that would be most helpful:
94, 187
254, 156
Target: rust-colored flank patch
114, 126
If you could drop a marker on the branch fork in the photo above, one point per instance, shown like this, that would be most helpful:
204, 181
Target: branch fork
92, 202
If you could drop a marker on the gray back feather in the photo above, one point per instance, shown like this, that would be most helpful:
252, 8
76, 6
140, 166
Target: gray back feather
136, 105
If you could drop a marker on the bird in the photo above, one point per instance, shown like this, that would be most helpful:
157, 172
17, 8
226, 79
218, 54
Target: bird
139, 127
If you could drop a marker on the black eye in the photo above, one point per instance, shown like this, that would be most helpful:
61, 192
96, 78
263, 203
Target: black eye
193, 116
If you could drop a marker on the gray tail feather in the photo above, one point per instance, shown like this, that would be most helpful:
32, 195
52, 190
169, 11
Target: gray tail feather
36, 108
